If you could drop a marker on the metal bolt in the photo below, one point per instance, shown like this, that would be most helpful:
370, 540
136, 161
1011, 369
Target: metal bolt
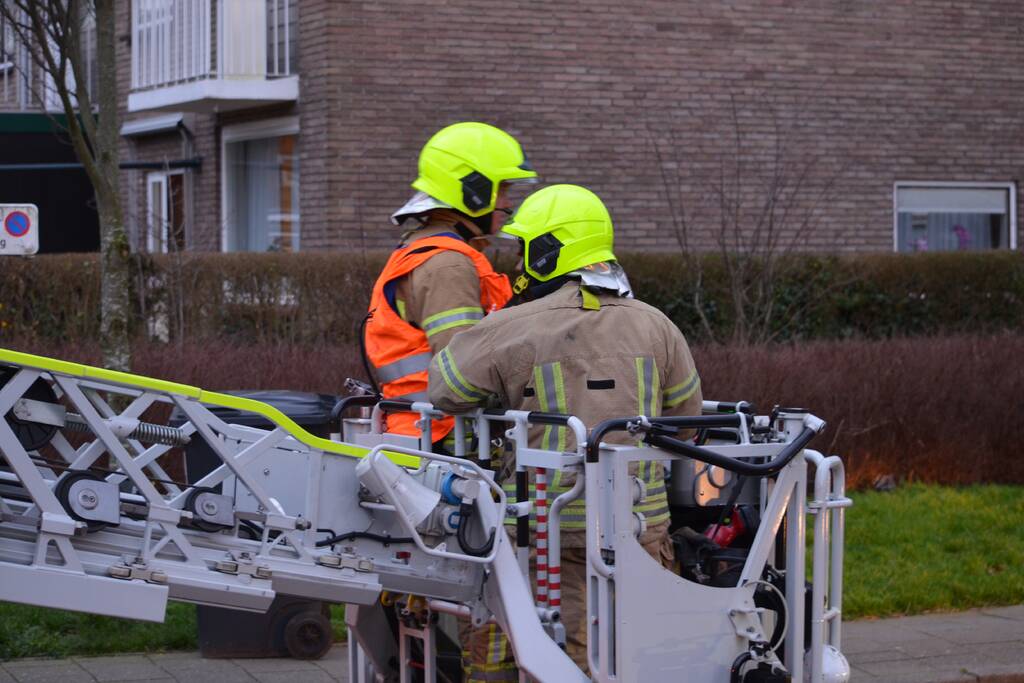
266, 471
88, 499
209, 507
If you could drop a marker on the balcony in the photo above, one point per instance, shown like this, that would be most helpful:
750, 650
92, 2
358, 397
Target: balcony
212, 55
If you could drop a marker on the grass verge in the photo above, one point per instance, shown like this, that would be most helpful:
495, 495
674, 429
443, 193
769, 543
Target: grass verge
36, 632
930, 548
916, 549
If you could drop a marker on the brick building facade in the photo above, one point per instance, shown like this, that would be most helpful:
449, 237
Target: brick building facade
684, 116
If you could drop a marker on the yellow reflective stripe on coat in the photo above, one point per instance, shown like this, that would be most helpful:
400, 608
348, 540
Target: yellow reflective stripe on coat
453, 317
550, 388
675, 395
454, 379
655, 505
647, 383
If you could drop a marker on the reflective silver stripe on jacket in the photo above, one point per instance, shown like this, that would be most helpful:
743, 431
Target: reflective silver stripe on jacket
412, 396
455, 317
405, 366
454, 379
673, 396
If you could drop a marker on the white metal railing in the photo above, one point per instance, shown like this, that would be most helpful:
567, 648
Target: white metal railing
177, 41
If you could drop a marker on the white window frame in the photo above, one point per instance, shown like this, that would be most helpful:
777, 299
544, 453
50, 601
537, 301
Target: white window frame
164, 216
972, 185
254, 130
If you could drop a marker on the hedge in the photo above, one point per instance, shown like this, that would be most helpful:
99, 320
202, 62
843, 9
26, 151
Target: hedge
939, 409
320, 297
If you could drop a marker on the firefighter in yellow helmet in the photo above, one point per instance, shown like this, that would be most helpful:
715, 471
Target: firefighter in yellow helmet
437, 282
580, 345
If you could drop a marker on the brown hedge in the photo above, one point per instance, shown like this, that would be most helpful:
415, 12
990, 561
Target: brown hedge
939, 410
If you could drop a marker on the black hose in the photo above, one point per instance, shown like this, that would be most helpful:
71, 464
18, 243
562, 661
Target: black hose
737, 667
347, 402
348, 536
395, 405
774, 466
663, 425
465, 512
362, 352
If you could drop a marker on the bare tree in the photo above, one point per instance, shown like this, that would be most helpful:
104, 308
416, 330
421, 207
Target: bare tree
57, 37
752, 210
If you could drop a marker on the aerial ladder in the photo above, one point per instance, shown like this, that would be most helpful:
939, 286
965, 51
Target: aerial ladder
91, 520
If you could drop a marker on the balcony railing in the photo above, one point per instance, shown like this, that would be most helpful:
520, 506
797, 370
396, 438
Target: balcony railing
181, 42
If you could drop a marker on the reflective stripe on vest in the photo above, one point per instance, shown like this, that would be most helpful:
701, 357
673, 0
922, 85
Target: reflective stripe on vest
403, 367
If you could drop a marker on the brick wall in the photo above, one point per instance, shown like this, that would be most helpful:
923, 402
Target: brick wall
658, 106
867, 93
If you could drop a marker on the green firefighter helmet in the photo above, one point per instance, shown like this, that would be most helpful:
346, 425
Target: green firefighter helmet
563, 228
463, 165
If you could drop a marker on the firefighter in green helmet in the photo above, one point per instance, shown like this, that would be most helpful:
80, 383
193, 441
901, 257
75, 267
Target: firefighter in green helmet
581, 345
437, 282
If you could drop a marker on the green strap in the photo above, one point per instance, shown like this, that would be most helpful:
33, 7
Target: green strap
590, 300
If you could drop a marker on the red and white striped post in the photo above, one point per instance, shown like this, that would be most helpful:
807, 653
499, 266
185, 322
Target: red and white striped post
542, 535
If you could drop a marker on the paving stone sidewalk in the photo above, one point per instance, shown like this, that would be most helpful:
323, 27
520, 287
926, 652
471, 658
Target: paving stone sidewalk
984, 646
977, 645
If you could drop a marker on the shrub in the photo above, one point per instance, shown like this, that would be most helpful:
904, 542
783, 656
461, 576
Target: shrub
321, 297
939, 410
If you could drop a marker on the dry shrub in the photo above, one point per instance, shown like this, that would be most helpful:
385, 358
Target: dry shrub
220, 364
940, 410
929, 409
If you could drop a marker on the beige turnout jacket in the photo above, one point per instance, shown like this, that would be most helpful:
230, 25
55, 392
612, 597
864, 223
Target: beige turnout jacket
597, 357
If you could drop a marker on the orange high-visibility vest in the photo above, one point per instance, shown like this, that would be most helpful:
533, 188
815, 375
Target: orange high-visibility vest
398, 350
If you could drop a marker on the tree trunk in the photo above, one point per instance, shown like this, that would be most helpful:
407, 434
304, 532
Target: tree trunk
116, 271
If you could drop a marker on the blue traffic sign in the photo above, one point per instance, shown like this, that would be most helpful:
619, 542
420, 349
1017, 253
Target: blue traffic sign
17, 223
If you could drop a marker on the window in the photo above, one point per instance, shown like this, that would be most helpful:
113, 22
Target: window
165, 205
7, 45
954, 216
261, 186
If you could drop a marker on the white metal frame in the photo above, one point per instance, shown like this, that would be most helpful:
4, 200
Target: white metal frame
254, 130
298, 487
1009, 186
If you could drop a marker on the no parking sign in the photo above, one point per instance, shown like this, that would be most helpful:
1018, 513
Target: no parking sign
19, 229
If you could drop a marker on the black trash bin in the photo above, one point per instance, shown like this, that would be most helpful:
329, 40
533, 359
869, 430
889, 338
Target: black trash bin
312, 412
292, 627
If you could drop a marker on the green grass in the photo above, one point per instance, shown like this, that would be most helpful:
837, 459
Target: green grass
930, 548
36, 632
917, 549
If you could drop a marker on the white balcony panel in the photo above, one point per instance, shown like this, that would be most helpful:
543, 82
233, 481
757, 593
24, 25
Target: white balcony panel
212, 95
206, 55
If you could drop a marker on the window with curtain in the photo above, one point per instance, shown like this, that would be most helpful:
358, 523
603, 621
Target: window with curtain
949, 217
262, 185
